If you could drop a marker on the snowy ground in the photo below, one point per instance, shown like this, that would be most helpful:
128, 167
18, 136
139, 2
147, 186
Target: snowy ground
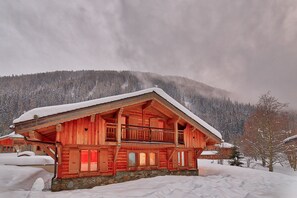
12, 159
215, 181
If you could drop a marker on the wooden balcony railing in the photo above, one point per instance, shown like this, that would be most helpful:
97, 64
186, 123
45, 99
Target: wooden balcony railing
146, 134
111, 131
142, 133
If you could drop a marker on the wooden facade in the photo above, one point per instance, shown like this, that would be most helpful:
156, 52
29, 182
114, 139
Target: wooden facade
145, 132
11, 143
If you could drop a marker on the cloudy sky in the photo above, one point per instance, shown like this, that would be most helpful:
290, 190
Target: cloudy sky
244, 46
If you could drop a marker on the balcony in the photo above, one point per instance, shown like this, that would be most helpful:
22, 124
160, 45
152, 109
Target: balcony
142, 134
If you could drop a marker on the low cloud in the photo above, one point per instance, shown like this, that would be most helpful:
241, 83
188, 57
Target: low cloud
247, 47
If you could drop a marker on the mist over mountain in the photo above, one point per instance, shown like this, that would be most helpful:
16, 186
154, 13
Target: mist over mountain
22, 93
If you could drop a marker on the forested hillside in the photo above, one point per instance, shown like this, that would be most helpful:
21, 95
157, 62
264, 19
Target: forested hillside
22, 93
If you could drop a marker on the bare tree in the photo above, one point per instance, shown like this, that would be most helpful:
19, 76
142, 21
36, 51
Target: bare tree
291, 146
265, 130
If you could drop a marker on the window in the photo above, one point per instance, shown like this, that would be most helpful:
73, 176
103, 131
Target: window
152, 159
93, 160
132, 159
181, 158
88, 160
142, 159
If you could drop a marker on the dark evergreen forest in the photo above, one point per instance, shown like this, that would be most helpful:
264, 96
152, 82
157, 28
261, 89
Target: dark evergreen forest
22, 93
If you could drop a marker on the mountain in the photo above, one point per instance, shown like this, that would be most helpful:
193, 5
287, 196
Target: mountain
22, 93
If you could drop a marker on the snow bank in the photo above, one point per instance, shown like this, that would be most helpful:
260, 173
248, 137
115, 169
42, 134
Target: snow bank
52, 110
14, 178
13, 159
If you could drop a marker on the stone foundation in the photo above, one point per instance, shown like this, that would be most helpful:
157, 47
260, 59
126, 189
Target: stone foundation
89, 182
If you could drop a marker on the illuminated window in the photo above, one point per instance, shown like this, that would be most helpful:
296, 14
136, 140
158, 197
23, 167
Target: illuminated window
93, 160
88, 160
132, 159
152, 159
142, 159
84, 160
181, 158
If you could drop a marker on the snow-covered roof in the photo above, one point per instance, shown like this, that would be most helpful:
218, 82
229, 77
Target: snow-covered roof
12, 135
294, 137
209, 152
225, 145
52, 110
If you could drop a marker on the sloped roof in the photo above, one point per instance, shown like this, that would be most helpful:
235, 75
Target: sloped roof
52, 110
225, 145
12, 135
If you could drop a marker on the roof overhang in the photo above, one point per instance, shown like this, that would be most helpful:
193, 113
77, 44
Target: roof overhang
54, 119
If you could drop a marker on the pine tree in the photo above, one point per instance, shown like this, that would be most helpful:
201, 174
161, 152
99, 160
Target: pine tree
235, 158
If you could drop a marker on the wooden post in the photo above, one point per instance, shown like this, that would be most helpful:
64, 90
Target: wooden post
119, 126
176, 132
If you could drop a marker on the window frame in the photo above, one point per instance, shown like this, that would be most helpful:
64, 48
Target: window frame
135, 164
182, 163
147, 159
89, 160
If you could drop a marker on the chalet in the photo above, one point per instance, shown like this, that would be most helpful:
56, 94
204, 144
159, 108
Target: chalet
11, 143
16, 143
119, 138
217, 151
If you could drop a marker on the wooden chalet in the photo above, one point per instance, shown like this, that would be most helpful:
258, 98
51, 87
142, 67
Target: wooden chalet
11, 143
118, 138
217, 151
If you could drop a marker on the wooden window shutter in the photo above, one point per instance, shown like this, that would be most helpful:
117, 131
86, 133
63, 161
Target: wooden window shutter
174, 159
74, 160
191, 159
103, 160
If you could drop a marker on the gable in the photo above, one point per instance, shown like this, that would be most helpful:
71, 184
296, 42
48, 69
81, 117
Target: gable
154, 99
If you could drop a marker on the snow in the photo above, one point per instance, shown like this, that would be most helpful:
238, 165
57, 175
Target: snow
12, 135
52, 110
225, 145
215, 181
287, 140
26, 153
209, 152
14, 178
13, 159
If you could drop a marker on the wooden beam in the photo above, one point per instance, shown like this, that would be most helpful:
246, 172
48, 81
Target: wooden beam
92, 119
148, 104
176, 132
47, 151
59, 127
115, 159
171, 155
119, 125
33, 135
173, 120
59, 149
198, 152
